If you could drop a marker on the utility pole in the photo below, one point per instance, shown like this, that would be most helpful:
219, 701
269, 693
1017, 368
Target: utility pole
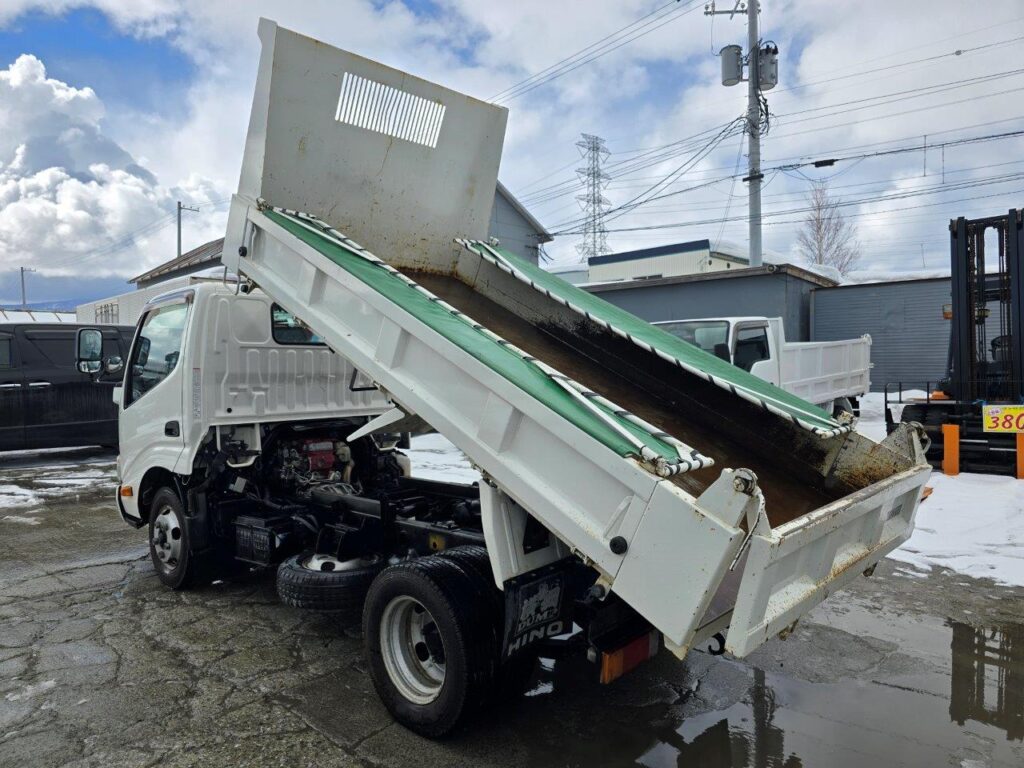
754, 132
24, 300
762, 75
180, 209
593, 201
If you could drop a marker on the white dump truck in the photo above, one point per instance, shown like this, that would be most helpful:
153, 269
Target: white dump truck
833, 375
636, 491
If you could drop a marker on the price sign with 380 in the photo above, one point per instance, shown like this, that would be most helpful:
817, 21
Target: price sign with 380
1004, 418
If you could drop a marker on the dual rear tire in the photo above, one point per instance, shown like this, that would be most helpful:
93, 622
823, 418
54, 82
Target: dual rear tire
430, 648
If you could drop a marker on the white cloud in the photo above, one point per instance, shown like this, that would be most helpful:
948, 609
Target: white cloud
69, 192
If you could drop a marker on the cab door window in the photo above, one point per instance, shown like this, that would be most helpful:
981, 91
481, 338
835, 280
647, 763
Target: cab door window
751, 347
156, 351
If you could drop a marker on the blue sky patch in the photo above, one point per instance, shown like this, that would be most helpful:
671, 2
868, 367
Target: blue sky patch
82, 48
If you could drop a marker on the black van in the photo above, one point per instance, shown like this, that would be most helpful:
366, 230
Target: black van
49, 401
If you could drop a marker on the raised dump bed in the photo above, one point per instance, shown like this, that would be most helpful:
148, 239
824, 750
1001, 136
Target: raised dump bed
702, 496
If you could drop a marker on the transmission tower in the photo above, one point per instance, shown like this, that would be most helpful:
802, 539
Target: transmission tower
592, 201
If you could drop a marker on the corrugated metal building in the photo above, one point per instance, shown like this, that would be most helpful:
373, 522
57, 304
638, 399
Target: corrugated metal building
910, 340
774, 290
515, 227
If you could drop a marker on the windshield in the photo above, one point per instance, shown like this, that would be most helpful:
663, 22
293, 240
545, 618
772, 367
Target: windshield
701, 333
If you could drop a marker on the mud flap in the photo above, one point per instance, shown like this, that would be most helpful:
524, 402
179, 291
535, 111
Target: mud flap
539, 605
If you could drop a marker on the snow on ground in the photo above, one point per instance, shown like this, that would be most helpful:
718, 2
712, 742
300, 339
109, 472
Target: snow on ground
972, 524
15, 496
434, 458
20, 519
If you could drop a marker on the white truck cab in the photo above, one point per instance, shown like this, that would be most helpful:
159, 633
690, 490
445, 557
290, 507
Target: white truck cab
211, 363
831, 374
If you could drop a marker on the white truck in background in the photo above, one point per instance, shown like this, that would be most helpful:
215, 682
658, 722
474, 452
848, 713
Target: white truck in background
633, 486
833, 375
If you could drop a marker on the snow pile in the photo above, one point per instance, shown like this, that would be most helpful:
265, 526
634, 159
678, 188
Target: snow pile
972, 524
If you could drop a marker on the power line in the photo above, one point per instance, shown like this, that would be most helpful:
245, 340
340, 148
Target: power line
706, 222
828, 162
634, 31
557, 190
580, 52
912, 93
625, 167
643, 197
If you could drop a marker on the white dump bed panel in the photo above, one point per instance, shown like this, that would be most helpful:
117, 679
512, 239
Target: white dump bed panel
822, 371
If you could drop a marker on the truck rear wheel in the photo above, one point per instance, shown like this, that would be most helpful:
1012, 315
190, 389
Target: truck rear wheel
170, 549
513, 675
429, 644
323, 583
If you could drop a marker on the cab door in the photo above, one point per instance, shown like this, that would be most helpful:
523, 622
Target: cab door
12, 409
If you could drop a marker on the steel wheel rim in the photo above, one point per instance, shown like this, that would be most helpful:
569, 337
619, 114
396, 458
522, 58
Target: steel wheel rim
412, 650
167, 537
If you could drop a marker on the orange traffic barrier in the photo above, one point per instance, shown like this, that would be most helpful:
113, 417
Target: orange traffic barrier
951, 449
1020, 455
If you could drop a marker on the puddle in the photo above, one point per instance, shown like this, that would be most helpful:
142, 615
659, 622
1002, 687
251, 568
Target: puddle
970, 713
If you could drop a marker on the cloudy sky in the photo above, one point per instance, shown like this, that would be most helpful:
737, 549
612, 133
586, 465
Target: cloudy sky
111, 110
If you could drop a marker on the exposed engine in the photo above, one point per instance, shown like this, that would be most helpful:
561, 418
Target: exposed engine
300, 463
312, 461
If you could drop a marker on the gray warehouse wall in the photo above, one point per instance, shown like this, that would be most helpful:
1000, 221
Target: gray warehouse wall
909, 338
512, 230
767, 295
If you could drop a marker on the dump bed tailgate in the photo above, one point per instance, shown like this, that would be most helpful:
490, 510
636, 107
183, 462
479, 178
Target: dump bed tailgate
792, 568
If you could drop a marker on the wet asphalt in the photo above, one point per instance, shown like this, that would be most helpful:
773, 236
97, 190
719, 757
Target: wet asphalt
102, 666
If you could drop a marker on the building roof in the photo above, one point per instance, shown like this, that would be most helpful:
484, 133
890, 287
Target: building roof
543, 236
561, 269
665, 250
768, 269
187, 262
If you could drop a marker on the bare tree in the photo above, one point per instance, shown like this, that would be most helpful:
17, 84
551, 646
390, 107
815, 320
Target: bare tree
826, 236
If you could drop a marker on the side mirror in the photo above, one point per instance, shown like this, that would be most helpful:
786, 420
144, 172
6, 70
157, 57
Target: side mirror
89, 350
113, 364
722, 351
143, 356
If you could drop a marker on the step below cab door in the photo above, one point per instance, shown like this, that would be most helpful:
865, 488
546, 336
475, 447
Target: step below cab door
12, 409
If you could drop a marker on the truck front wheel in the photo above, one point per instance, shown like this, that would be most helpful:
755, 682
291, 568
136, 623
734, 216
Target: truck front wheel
429, 644
169, 543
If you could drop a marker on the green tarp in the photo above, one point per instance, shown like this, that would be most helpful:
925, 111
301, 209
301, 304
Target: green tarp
498, 358
663, 341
